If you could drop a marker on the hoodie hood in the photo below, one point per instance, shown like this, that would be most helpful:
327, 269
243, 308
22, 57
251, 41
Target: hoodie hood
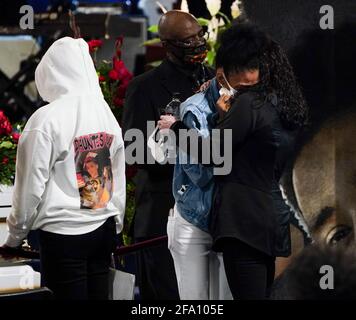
67, 69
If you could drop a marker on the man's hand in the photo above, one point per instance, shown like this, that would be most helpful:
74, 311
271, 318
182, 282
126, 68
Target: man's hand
204, 86
166, 122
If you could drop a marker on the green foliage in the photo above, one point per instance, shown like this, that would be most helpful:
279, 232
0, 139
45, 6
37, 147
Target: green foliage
203, 22
130, 210
8, 149
152, 42
153, 28
215, 27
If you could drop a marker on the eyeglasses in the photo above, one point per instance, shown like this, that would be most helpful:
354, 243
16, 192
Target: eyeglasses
191, 41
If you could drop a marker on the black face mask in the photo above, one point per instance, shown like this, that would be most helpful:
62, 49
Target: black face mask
195, 53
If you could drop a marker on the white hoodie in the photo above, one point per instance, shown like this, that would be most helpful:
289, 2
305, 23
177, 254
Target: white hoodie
70, 172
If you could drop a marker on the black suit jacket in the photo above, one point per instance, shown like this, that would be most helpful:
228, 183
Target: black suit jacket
146, 95
248, 204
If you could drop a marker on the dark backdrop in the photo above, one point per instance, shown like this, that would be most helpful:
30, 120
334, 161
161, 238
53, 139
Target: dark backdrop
324, 60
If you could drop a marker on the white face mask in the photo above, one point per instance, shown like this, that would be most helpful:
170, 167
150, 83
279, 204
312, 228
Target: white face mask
229, 92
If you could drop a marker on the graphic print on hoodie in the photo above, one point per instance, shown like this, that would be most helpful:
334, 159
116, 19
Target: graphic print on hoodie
93, 169
46, 194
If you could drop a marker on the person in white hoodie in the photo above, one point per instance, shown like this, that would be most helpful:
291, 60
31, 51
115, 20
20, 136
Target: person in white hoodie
70, 175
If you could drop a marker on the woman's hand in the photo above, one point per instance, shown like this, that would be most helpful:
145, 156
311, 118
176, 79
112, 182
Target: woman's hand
223, 104
166, 122
204, 86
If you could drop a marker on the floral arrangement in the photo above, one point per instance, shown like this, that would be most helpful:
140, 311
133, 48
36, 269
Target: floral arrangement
218, 23
9, 138
114, 78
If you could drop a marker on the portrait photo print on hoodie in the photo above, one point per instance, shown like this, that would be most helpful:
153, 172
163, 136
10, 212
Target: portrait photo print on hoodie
93, 169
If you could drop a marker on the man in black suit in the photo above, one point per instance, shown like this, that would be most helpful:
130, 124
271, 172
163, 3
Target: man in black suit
181, 72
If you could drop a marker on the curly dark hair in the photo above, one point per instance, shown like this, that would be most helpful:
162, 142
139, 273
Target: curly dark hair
246, 47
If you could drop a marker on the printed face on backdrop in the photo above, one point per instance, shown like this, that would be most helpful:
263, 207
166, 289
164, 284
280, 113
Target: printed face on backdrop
324, 181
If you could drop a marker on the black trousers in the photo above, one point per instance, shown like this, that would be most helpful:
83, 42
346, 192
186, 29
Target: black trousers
249, 272
156, 276
77, 266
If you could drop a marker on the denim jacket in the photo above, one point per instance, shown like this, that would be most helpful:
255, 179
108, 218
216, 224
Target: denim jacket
193, 184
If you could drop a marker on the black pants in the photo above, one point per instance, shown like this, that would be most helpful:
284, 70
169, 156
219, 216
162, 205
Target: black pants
77, 266
249, 272
155, 273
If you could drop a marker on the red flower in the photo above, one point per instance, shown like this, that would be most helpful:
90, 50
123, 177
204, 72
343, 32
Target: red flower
102, 78
114, 75
16, 136
121, 90
5, 160
125, 82
118, 102
118, 53
118, 45
94, 45
5, 125
119, 41
125, 75
119, 66
131, 171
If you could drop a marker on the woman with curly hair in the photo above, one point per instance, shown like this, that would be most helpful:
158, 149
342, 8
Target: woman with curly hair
262, 104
